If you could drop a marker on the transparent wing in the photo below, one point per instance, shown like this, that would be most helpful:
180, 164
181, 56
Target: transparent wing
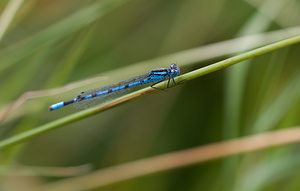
84, 104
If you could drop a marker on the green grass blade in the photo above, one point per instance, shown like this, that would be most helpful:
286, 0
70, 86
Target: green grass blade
188, 76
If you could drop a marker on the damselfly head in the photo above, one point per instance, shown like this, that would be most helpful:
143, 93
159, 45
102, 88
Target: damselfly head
174, 69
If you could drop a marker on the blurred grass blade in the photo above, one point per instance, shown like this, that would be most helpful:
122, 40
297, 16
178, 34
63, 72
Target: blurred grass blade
273, 113
179, 159
14, 53
203, 53
70, 60
44, 93
26, 73
188, 76
20, 170
268, 171
235, 82
225, 48
236, 76
8, 15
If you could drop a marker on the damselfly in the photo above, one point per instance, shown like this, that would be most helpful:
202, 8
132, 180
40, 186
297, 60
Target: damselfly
154, 76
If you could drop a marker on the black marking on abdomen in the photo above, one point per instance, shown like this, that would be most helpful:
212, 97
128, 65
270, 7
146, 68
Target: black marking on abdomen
68, 102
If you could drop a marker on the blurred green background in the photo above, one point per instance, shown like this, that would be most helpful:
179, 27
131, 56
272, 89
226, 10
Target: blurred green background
50, 43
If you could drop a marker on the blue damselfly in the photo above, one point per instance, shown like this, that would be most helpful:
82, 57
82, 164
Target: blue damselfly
154, 76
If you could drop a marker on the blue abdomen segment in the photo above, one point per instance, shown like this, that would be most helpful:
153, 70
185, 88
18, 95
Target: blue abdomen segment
114, 89
62, 104
56, 106
134, 84
102, 93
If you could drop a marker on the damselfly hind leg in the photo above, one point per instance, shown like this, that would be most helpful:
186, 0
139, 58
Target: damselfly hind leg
168, 85
152, 86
